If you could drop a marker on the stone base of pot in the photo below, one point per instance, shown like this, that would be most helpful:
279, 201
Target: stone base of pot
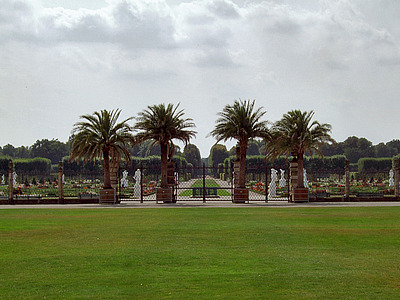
300, 194
165, 195
240, 195
108, 196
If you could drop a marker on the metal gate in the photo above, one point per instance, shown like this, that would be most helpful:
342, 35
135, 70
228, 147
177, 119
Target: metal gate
201, 183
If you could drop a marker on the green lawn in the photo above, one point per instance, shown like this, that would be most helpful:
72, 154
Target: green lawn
208, 183
209, 253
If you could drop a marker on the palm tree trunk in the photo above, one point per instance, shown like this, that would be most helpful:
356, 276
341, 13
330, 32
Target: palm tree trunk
242, 165
107, 179
164, 166
300, 174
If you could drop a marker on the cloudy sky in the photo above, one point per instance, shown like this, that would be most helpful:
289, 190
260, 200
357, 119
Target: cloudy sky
61, 59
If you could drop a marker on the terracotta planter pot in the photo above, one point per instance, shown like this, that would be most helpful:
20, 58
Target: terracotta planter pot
300, 194
240, 195
165, 195
107, 196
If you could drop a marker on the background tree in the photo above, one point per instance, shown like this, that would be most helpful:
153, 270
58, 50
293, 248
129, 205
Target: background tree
101, 136
355, 148
240, 121
252, 148
192, 155
9, 150
218, 154
394, 144
22, 152
296, 134
384, 150
53, 150
161, 124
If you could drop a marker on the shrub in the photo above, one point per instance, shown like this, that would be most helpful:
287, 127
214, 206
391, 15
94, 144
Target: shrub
374, 165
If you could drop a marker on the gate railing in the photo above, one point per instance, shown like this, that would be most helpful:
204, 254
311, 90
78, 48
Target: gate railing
201, 183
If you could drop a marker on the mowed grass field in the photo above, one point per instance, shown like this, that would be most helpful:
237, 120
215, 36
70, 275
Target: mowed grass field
217, 253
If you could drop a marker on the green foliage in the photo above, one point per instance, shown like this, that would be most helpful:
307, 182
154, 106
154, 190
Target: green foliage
192, 154
152, 162
4, 164
53, 150
332, 164
8, 150
218, 154
374, 165
32, 166
73, 168
252, 149
240, 121
101, 136
298, 135
259, 162
163, 123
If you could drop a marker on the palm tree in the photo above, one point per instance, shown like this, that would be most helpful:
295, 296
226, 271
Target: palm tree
240, 121
296, 134
100, 136
162, 124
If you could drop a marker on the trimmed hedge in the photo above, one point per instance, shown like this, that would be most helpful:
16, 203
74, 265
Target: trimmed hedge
26, 166
4, 164
334, 163
374, 165
32, 166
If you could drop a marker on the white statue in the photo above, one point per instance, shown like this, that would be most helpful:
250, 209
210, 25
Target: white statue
124, 179
176, 177
391, 179
3, 182
63, 179
136, 189
305, 181
272, 184
15, 179
282, 181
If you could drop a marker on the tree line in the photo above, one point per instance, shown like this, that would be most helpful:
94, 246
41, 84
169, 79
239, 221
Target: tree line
353, 148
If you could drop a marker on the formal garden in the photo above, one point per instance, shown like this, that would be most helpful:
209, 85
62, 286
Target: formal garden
100, 165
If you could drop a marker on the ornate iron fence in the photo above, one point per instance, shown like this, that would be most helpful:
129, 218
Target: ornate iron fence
201, 183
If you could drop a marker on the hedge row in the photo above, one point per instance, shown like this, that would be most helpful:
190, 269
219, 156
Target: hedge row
333, 164
374, 165
152, 163
27, 166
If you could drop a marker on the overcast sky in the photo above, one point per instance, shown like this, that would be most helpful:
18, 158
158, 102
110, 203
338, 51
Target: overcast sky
62, 59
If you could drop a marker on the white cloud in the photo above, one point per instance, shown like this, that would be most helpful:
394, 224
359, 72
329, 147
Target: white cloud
338, 58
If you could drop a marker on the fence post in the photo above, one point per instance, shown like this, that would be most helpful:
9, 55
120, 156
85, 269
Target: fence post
289, 180
347, 184
232, 181
60, 183
266, 182
141, 182
396, 178
204, 183
10, 182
